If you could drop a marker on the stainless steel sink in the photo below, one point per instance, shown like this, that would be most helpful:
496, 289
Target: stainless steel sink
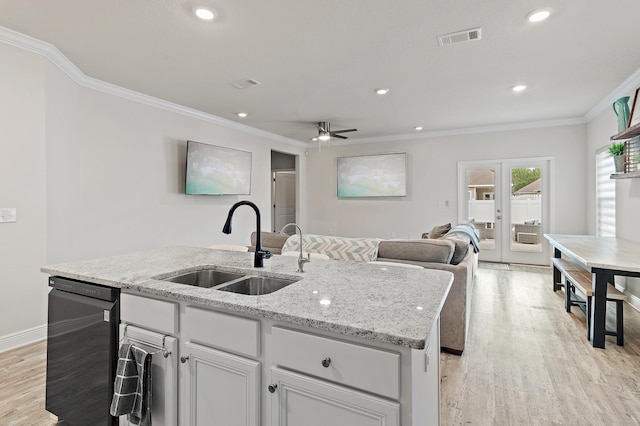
256, 286
206, 278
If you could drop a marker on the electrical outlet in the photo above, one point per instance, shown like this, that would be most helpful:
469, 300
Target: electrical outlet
7, 215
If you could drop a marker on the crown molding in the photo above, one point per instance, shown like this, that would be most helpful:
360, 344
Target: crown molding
56, 57
467, 131
626, 88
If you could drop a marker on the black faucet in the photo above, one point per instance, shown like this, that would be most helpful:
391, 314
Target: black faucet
259, 254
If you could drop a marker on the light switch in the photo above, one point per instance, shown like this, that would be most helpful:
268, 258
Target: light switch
7, 215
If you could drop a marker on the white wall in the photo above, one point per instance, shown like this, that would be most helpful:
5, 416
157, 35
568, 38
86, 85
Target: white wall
94, 174
23, 288
116, 179
432, 180
599, 131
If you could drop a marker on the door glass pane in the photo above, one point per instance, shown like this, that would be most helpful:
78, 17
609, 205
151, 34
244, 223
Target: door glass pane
526, 209
481, 208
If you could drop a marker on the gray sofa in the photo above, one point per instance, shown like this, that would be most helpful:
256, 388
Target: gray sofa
451, 253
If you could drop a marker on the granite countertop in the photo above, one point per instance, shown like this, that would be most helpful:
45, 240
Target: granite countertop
378, 302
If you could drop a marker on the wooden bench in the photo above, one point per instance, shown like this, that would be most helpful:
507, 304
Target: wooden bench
577, 278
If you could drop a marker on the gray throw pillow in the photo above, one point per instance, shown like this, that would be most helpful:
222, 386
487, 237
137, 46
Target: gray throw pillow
439, 231
462, 243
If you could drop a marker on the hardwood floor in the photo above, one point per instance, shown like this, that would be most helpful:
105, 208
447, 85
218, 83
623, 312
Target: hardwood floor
23, 386
527, 362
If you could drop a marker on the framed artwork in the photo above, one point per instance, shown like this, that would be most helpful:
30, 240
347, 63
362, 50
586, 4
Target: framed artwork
217, 170
382, 175
634, 117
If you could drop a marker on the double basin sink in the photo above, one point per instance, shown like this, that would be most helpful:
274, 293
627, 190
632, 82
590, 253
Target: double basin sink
231, 282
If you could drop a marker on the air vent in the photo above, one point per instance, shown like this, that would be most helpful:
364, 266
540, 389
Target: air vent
244, 83
460, 37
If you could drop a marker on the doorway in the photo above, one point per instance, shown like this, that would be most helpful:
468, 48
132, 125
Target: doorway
508, 203
283, 190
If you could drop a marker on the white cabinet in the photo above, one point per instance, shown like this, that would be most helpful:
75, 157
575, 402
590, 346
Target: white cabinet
152, 314
305, 399
228, 365
218, 388
164, 373
231, 333
342, 362
300, 400
219, 384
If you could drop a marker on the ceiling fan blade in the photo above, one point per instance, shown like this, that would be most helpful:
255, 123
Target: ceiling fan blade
344, 131
338, 136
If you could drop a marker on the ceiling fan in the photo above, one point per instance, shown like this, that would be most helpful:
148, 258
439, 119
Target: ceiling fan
325, 133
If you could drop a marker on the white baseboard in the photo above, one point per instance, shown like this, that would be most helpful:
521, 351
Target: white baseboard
633, 300
24, 337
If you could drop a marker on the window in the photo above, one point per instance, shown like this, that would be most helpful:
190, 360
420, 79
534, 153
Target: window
605, 194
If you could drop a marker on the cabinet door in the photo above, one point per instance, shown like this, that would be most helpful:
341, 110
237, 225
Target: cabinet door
219, 388
300, 400
164, 373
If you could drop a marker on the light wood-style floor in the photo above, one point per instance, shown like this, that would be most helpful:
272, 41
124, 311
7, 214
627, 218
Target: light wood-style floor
22, 386
527, 362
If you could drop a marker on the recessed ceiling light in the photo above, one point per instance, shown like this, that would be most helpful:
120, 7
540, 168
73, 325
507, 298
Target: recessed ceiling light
519, 88
418, 128
538, 15
204, 13
382, 91
242, 114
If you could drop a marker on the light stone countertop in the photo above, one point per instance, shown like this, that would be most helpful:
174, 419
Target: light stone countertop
378, 302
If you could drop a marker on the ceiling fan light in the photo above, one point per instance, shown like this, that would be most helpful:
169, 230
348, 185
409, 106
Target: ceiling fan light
382, 91
324, 136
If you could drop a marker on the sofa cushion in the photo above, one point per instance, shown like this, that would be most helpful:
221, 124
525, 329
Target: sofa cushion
271, 241
462, 243
439, 231
437, 251
342, 248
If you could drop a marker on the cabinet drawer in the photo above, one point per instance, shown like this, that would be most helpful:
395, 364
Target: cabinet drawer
236, 334
362, 367
154, 314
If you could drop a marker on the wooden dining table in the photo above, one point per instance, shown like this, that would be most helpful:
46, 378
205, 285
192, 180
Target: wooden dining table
604, 257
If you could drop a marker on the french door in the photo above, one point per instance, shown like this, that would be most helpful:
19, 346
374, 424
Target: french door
508, 203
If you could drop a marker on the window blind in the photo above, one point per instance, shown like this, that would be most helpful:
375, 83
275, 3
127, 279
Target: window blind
605, 194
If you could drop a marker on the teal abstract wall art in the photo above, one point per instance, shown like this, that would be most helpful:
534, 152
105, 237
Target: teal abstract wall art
383, 175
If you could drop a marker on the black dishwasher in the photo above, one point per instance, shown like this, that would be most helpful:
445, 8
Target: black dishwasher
82, 345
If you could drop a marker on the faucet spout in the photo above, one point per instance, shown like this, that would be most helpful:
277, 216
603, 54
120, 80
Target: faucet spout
259, 254
301, 259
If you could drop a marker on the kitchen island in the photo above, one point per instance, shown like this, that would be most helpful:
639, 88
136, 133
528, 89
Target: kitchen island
354, 341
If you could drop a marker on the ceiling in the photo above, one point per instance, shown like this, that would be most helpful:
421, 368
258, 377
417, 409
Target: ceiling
322, 60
